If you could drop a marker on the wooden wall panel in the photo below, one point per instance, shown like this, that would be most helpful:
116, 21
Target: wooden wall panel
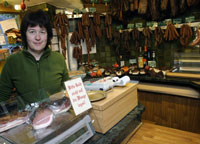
171, 111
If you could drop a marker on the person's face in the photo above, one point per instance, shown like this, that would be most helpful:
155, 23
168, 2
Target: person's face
36, 38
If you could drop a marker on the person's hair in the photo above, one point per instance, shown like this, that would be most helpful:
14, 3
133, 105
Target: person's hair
34, 18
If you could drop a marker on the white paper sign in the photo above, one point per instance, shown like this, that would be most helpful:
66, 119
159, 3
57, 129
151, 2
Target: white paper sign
78, 95
8, 24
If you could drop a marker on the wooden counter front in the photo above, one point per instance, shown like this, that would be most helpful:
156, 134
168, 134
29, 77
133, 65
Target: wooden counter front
118, 103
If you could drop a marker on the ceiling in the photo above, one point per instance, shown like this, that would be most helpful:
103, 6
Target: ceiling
71, 4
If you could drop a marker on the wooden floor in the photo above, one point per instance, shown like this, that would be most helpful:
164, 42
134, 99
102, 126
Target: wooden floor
150, 133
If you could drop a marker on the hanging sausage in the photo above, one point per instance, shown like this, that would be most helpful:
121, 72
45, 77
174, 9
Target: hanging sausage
61, 24
108, 22
86, 23
158, 34
171, 33
97, 23
185, 34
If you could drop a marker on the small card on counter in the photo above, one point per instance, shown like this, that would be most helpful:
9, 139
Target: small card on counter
78, 95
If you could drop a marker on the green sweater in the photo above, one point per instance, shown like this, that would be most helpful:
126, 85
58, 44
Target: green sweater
33, 80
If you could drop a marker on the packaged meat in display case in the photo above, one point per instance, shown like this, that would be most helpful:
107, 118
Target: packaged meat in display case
12, 120
60, 105
43, 116
42, 119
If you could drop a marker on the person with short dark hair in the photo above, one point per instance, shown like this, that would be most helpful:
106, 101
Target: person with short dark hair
36, 72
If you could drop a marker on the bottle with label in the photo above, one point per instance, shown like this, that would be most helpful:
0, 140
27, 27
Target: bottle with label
145, 59
154, 58
122, 62
152, 62
140, 59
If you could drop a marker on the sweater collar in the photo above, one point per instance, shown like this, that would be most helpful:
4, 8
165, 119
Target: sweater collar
46, 53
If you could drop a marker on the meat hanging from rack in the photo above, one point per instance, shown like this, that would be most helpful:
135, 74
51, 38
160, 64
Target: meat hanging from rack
86, 23
136, 4
125, 41
174, 7
77, 53
136, 37
132, 7
115, 7
92, 33
163, 4
183, 6
171, 33
97, 23
147, 34
197, 39
154, 7
61, 24
185, 34
158, 33
108, 22
117, 37
143, 4
77, 50
75, 39
192, 2
80, 30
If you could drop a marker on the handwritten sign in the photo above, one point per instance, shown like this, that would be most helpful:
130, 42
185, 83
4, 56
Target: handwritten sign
78, 95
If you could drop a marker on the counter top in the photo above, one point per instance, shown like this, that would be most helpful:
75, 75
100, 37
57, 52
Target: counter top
192, 83
114, 95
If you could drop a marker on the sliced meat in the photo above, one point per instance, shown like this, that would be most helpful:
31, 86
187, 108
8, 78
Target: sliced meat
60, 106
43, 119
12, 121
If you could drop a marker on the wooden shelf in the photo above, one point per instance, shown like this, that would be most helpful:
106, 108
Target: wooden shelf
169, 89
183, 75
9, 9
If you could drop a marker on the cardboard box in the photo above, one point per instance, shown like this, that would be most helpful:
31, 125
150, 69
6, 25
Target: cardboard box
4, 53
118, 103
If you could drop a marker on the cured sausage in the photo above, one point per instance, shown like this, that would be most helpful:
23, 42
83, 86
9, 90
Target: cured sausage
185, 34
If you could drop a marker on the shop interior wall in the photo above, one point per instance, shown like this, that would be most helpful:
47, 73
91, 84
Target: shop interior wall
106, 55
106, 51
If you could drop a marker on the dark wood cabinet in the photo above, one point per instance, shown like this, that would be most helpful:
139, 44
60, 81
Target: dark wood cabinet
171, 110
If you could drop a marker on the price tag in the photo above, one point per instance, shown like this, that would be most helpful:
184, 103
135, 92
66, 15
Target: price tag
130, 26
122, 63
120, 27
138, 25
132, 61
162, 23
93, 1
168, 21
177, 21
78, 95
92, 10
150, 24
189, 19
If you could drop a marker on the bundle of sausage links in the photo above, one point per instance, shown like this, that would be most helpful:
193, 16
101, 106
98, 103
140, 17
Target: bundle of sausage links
171, 33
147, 34
185, 34
77, 50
